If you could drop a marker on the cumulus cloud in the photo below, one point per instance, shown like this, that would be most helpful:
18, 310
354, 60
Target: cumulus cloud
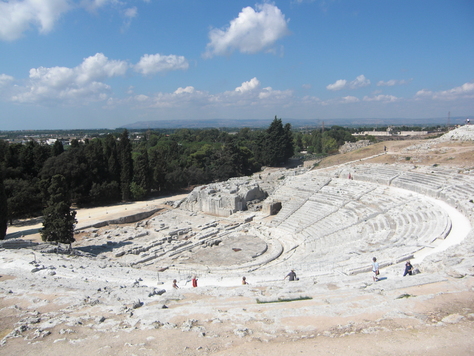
98, 67
382, 98
16, 17
71, 84
188, 90
349, 99
5, 79
248, 86
181, 97
154, 63
338, 85
359, 82
392, 82
465, 91
246, 95
275, 95
252, 31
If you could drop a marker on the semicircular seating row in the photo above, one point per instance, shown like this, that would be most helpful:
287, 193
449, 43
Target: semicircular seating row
337, 222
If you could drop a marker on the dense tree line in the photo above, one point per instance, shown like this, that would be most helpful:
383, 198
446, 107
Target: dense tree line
40, 179
114, 168
323, 141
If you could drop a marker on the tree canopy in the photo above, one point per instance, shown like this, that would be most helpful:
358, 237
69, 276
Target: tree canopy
121, 166
58, 218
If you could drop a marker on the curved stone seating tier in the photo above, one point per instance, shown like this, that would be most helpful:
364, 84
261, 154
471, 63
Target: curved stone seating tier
341, 222
329, 223
446, 184
380, 174
420, 183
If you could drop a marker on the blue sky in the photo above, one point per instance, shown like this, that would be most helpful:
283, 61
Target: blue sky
105, 63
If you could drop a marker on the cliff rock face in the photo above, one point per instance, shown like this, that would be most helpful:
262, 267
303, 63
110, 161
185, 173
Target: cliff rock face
224, 199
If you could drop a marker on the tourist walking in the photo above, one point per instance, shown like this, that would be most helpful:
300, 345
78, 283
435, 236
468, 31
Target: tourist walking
291, 276
194, 281
175, 284
375, 269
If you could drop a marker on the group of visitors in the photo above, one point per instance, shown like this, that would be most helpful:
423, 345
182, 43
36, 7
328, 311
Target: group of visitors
194, 282
292, 275
376, 272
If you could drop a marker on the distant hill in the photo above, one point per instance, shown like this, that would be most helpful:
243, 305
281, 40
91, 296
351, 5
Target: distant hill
216, 123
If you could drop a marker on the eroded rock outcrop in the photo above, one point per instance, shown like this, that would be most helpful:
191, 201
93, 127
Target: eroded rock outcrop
224, 199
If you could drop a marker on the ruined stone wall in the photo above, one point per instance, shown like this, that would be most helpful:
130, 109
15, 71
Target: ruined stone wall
223, 199
352, 146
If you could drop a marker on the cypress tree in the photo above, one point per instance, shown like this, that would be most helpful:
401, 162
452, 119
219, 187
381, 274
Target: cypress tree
275, 144
59, 219
141, 175
126, 165
57, 148
3, 209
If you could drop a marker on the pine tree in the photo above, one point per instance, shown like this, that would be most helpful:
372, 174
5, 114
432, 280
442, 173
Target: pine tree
3, 209
126, 165
275, 144
59, 219
57, 148
289, 144
141, 175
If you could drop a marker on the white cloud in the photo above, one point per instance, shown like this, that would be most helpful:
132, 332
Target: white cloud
302, 1
141, 97
383, 98
98, 67
252, 31
180, 98
252, 84
64, 84
424, 93
247, 95
131, 12
93, 5
5, 79
309, 99
359, 82
465, 91
275, 95
392, 82
187, 90
338, 85
154, 63
16, 16
349, 99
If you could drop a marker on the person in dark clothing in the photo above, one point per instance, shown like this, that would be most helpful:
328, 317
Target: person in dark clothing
291, 276
408, 269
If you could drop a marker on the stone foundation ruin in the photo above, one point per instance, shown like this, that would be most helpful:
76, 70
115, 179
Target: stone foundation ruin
224, 199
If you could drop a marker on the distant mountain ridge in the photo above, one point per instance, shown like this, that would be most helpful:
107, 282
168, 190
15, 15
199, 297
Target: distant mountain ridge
241, 123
